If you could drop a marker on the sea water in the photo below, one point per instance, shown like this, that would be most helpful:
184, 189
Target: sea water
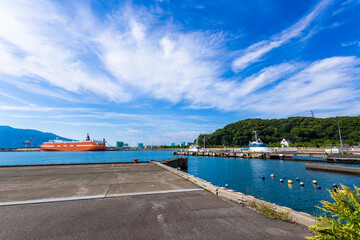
243, 175
31, 158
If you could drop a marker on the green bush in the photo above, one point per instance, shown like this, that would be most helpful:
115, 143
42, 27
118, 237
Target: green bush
341, 219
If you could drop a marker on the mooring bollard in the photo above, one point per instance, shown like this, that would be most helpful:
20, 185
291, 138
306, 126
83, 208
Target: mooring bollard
136, 160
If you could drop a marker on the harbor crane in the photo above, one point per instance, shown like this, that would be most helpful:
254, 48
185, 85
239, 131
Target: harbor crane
28, 143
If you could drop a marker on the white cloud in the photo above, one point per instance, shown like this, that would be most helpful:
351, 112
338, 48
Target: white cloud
6, 97
345, 5
352, 43
34, 108
131, 55
328, 84
255, 52
39, 42
266, 77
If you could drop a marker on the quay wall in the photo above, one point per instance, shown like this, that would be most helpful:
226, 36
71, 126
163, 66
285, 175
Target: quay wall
32, 149
300, 218
337, 169
273, 155
181, 163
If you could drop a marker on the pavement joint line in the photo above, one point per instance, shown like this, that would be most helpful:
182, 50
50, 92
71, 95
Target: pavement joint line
94, 197
51, 200
155, 192
108, 190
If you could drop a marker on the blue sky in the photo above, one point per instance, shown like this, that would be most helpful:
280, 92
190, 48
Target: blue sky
161, 71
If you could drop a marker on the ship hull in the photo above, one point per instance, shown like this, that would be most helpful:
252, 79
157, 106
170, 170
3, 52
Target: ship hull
72, 147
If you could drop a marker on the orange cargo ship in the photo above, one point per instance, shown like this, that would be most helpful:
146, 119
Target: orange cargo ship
73, 146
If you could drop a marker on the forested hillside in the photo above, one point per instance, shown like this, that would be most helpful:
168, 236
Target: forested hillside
302, 131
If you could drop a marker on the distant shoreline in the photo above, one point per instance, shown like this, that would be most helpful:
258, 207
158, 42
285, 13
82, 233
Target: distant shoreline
108, 149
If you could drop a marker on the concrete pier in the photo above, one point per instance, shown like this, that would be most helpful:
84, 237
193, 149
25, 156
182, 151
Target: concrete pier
227, 153
337, 169
350, 158
181, 163
37, 183
126, 201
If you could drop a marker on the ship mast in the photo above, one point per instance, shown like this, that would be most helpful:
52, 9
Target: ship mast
255, 136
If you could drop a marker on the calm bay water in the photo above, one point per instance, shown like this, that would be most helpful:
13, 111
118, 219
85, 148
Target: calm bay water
29, 158
241, 175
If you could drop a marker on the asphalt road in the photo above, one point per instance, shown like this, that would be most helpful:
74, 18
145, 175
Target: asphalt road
184, 215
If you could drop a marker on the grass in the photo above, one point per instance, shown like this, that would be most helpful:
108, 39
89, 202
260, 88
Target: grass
270, 212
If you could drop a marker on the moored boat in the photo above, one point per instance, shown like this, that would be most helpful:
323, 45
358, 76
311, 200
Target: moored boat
73, 146
194, 148
258, 145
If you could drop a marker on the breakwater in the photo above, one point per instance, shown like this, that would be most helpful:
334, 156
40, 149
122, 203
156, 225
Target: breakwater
337, 169
234, 154
306, 155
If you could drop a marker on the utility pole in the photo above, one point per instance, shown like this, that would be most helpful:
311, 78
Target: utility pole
341, 145
255, 133
204, 142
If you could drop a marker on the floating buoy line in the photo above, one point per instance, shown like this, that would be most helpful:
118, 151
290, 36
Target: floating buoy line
302, 184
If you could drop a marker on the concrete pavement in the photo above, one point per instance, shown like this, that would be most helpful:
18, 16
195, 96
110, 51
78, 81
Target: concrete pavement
165, 206
185, 215
31, 183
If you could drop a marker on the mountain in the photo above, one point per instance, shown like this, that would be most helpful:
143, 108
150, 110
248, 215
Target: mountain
14, 137
302, 131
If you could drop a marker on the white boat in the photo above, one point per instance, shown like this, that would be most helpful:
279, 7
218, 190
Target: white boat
194, 148
258, 146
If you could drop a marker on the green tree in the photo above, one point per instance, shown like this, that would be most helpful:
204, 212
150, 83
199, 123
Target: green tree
341, 219
302, 131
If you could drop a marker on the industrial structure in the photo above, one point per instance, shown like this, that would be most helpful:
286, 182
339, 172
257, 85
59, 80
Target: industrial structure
28, 143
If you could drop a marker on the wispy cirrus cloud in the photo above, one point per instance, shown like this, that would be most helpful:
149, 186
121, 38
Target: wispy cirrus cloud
118, 59
34, 108
345, 5
255, 52
332, 84
352, 43
131, 55
4, 97
39, 42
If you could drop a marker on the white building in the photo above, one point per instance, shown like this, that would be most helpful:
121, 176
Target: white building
285, 142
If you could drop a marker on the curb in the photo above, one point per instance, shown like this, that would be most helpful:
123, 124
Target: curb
300, 218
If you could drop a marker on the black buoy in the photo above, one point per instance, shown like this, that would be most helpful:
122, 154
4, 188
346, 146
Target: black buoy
263, 177
297, 179
334, 187
284, 177
318, 187
281, 180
